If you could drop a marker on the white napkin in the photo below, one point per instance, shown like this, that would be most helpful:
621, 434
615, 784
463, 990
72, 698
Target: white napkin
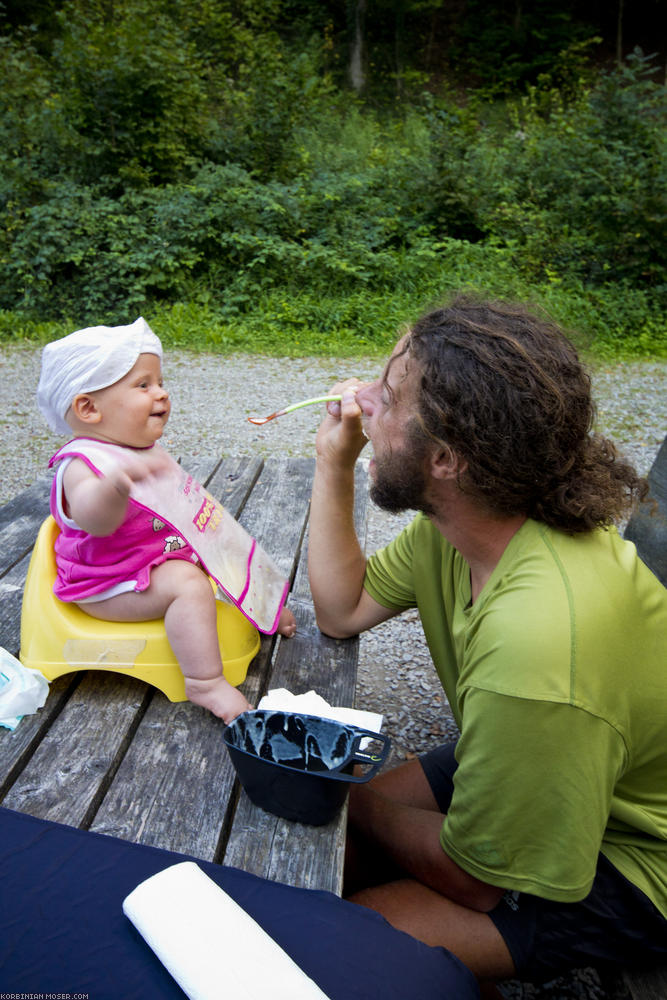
311, 703
210, 945
22, 690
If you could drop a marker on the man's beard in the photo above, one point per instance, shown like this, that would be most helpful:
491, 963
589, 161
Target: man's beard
399, 482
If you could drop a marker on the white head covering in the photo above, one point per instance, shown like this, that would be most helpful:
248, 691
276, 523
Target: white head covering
88, 360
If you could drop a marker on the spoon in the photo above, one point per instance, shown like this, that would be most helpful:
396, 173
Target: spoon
258, 421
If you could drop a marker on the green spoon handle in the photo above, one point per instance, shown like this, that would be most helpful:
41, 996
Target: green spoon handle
315, 399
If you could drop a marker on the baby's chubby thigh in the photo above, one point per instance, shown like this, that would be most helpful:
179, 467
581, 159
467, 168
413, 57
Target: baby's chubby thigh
183, 585
185, 593
175, 583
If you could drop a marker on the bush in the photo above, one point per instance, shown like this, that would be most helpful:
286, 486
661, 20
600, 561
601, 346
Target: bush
85, 254
133, 92
32, 130
170, 153
579, 189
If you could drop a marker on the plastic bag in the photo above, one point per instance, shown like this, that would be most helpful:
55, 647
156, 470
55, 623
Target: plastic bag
22, 690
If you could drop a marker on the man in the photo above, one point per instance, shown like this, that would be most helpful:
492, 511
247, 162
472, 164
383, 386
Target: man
540, 843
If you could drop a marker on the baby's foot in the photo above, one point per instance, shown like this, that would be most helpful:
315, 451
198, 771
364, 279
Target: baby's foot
286, 623
218, 696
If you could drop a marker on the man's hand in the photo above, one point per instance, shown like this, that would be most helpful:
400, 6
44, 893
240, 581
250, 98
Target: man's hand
340, 438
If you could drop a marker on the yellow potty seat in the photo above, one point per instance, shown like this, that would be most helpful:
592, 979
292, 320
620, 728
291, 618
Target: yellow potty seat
57, 638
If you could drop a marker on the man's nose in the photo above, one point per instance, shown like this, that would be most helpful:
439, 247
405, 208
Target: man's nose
366, 398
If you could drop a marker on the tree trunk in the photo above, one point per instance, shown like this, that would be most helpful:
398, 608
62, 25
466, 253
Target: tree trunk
398, 50
356, 67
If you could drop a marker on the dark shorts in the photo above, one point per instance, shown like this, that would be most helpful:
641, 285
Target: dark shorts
616, 925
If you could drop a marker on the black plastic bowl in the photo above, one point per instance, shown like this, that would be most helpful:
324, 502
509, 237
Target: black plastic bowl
300, 766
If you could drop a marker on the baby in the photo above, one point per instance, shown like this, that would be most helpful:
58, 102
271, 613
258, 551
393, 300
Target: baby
116, 558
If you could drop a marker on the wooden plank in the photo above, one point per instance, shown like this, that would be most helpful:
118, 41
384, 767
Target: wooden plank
11, 601
20, 520
265, 844
301, 585
308, 856
276, 515
17, 747
313, 660
648, 985
229, 480
277, 510
175, 787
29, 502
233, 482
71, 768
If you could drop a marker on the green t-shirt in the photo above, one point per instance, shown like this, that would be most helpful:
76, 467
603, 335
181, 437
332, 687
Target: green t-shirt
557, 678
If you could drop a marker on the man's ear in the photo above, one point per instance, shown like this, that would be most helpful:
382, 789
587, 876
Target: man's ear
85, 409
446, 464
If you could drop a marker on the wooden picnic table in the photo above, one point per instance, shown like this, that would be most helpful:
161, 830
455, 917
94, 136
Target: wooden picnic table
112, 754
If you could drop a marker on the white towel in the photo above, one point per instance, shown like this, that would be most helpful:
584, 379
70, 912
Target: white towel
311, 703
210, 945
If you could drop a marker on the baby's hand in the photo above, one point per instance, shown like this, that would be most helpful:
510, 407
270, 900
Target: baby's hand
98, 504
139, 466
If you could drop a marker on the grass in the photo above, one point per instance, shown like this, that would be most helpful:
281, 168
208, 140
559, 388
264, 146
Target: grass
612, 322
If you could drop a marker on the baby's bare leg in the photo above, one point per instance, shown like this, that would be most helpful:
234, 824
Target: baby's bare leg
181, 593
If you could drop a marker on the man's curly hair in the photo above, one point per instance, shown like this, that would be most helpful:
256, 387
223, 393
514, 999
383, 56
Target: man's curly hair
505, 389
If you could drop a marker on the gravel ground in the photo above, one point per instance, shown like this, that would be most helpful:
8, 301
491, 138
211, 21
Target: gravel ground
213, 396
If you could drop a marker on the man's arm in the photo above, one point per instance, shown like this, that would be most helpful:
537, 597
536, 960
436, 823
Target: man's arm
336, 563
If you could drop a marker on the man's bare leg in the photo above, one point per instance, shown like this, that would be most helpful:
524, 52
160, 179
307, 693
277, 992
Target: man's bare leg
366, 864
425, 914
409, 904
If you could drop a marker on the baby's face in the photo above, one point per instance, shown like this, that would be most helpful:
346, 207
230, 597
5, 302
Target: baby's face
134, 410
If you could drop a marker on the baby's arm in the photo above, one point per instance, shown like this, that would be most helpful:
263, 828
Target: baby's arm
98, 504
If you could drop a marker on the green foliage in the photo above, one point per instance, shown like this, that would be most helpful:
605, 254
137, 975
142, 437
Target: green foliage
195, 162
578, 189
80, 250
31, 129
137, 109
79, 253
606, 323
507, 45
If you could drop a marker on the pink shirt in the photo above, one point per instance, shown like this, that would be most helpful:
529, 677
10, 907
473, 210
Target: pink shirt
88, 565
